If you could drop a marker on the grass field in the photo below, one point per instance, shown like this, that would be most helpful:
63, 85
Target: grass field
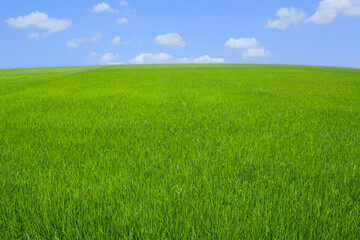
180, 152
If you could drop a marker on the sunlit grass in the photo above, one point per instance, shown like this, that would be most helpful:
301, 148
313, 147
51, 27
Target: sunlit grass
180, 152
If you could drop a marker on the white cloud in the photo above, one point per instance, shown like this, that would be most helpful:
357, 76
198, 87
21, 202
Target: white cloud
124, 3
241, 43
122, 20
76, 42
102, 7
328, 10
252, 53
208, 59
202, 59
39, 20
106, 58
170, 39
251, 45
181, 60
109, 57
94, 54
34, 36
116, 40
151, 58
97, 37
286, 17
148, 58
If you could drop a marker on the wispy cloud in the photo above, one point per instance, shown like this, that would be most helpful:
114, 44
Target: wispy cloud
286, 17
34, 36
208, 59
97, 37
94, 54
122, 20
76, 42
106, 58
124, 3
116, 40
148, 58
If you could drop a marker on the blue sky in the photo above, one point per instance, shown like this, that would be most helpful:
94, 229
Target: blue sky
68, 32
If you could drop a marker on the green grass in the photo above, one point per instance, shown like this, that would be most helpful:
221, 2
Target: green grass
180, 152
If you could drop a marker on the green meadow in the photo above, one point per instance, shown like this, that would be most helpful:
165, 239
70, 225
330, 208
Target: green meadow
180, 152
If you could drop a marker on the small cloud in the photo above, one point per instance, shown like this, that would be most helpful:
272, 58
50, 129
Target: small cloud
94, 54
182, 60
41, 21
251, 45
108, 57
116, 40
286, 17
202, 59
252, 53
208, 59
124, 3
148, 58
241, 43
76, 42
97, 37
122, 20
102, 7
173, 40
34, 36
151, 58
328, 10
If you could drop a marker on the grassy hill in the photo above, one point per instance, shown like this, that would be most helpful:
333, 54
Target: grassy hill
180, 151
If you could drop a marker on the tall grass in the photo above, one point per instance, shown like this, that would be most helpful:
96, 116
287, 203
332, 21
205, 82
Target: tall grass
180, 152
